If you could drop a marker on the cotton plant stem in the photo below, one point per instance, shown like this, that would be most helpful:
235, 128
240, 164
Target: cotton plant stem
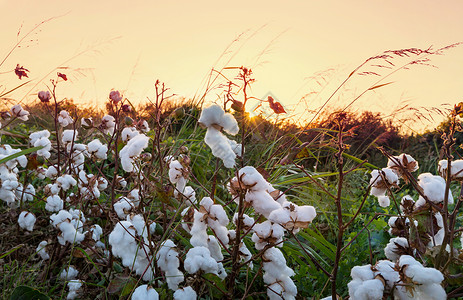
340, 235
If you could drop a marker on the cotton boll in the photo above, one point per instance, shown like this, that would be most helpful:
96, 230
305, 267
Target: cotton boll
54, 203
51, 172
167, 259
128, 133
69, 136
42, 251
97, 149
132, 150
96, 232
198, 230
456, 169
253, 179
26, 220
433, 187
61, 216
145, 292
370, 289
384, 201
214, 115
214, 248
199, 258
64, 119
362, 273
68, 274
66, 181
220, 147
186, 293
393, 248
74, 286
262, 202
123, 207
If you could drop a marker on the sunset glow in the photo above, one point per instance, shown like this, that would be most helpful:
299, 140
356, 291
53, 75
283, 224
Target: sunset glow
296, 49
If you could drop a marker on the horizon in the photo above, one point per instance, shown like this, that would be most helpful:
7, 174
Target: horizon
295, 50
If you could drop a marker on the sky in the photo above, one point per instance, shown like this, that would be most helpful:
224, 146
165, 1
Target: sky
296, 49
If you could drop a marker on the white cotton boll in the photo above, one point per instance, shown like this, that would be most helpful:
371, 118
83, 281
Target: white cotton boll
61, 216
391, 250
40, 138
145, 292
42, 251
128, 133
385, 268
102, 183
199, 258
251, 177
378, 184
262, 202
403, 160
123, 207
18, 112
143, 126
175, 171
132, 150
198, 230
74, 286
433, 187
64, 119
108, 124
77, 214
433, 291
362, 273
96, 232
456, 168
215, 115
68, 274
186, 293
26, 220
370, 290
190, 195
51, 172
97, 149
214, 248
66, 181
206, 202
139, 223
275, 291
167, 259
54, 203
26, 194
384, 201
69, 234
237, 148
69, 136
220, 147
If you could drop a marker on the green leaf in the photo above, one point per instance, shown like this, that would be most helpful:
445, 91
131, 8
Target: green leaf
23, 152
11, 251
27, 293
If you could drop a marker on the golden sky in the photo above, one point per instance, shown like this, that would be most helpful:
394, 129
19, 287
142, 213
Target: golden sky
295, 48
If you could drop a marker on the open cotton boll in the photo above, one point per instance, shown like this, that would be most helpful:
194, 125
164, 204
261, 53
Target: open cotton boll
262, 202
74, 286
395, 248
168, 262
42, 251
64, 119
123, 207
40, 138
66, 181
18, 112
128, 133
96, 232
266, 233
253, 179
433, 188
186, 293
292, 216
97, 149
175, 171
417, 272
237, 148
26, 220
26, 194
68, 274
403, 161
69, 136
220, 147
370, 289
215, 115
54, 203
132, 150
386, 269
456, 169
199, 258
384, 201
381, 180
108, 124
198, 230
145, 292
